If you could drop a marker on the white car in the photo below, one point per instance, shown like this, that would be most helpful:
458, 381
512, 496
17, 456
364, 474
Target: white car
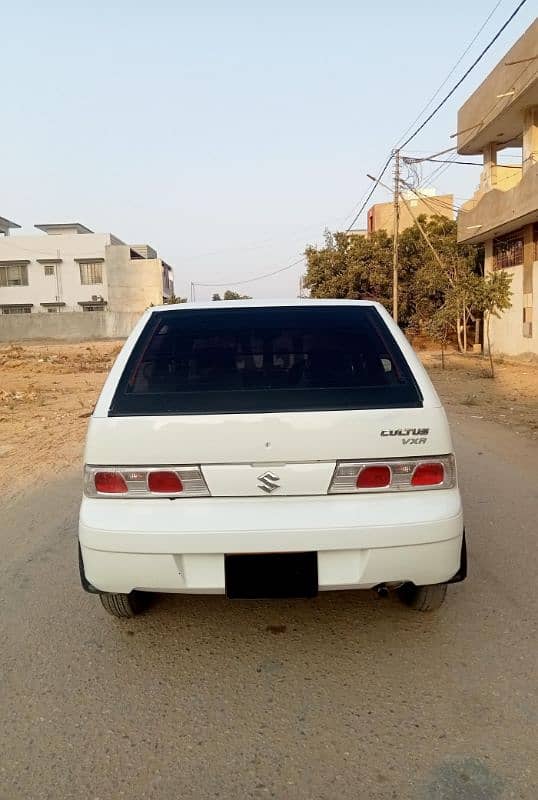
260, 449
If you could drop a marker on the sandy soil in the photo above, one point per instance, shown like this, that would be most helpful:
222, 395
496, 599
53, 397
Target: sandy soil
47, 392
466, 389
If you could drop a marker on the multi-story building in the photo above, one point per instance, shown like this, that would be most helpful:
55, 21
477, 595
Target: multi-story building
503, 213
381, 215
71, 268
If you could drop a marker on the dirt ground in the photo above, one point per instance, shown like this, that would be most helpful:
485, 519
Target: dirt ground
466, 389
47, 392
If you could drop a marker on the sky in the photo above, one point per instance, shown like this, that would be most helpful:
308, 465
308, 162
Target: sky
228, 135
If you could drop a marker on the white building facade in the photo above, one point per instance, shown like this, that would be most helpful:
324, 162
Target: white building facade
69, 268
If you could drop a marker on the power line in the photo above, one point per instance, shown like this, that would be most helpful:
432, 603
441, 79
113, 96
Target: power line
251, 280
444, 100
464, 76
432, 202
438, 171
454, 68
370, 193
451, 161
404, 144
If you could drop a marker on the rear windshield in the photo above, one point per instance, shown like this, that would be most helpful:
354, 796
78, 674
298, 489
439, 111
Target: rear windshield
249, 360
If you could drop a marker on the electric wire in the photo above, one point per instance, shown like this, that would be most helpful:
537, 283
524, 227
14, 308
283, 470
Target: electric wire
465, 75
404, 144
452, 71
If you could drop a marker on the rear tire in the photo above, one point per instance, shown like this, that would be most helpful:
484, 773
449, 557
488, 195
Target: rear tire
123, 606
423, 598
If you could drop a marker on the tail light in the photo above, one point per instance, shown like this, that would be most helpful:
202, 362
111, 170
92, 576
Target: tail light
110, 483
394, 475
165, 482
374, 477
431, 474
144, 482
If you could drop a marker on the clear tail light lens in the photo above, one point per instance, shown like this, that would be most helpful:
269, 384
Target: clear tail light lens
144, 482
394, 475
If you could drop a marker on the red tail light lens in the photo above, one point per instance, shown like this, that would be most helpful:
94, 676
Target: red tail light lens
110, 483
394, 475
375, 477
144, 482
164, 482
428, 475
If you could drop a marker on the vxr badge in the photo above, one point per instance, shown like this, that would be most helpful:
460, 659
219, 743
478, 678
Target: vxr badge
268, 482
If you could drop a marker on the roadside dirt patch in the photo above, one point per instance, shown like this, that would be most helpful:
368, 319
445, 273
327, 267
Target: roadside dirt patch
511, 398
47, 393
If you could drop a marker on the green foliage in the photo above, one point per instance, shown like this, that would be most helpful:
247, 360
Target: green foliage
495, 293
440, 283
229, 295
493, 297
173, 300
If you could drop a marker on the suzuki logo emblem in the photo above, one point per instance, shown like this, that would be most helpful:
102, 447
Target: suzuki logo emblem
268, 482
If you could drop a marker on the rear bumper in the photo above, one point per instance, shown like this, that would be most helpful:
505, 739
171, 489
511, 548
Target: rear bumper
179, 546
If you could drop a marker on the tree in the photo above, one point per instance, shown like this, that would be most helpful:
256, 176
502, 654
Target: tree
494, 298
438, 327
435, 272
229, 295
445, 280
350, 266
173, 300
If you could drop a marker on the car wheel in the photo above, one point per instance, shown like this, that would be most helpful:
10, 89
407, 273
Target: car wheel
124, 606
423, 598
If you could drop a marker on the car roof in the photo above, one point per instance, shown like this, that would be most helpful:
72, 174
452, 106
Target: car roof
262, 303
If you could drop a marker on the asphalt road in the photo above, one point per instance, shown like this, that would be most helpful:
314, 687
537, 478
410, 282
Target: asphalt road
346, 696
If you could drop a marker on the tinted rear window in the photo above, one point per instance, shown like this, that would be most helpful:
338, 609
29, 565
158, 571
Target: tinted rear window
247, 360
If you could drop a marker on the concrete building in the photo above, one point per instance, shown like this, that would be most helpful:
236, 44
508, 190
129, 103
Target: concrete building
503, 213
6, 226
381, 215
70, 268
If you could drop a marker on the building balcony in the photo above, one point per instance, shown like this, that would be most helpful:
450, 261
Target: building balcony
509, 204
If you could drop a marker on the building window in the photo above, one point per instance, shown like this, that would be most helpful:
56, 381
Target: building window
14, 275
508, 250
91, 272
49, 269
93, 307
16, 309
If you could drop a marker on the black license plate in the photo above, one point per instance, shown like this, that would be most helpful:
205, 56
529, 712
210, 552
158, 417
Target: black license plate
271, 575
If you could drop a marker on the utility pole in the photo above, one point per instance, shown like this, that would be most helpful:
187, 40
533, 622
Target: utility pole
396, 225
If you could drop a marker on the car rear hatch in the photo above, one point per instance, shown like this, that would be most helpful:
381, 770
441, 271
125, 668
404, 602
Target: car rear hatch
267, 400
